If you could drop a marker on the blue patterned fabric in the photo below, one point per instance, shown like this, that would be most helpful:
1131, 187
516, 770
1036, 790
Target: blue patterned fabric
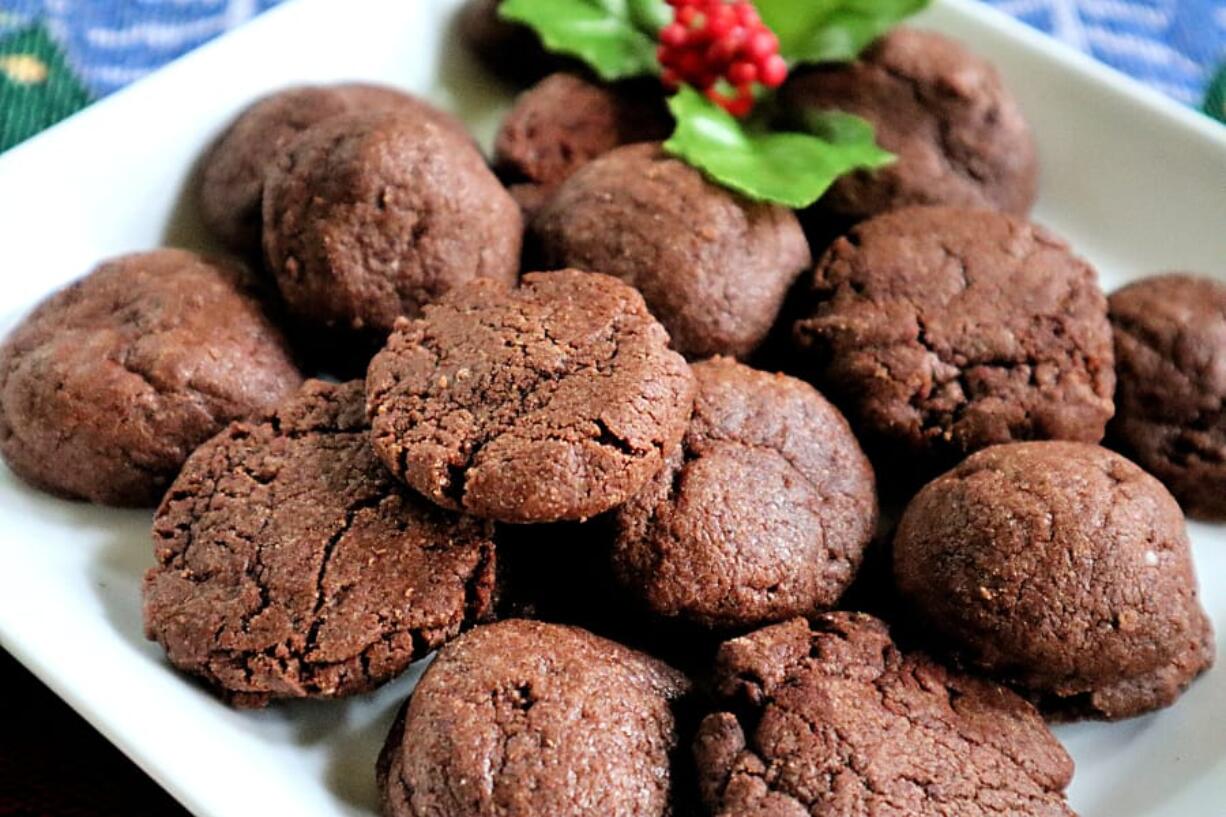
110, 43
1173, 45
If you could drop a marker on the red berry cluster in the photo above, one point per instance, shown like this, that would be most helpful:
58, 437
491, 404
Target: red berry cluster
710, 40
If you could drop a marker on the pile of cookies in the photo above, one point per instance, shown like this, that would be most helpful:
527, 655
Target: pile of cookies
688, 433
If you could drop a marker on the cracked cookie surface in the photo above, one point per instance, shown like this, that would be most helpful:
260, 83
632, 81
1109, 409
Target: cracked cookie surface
555, 400
959, 135
941, 331
714, 267
763, 512
110, 383
292, 564
370, 216
1170, 355
1062, 569
830, 718
523, 718
232, 173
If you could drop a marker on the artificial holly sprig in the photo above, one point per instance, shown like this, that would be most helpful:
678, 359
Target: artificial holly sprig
720, 58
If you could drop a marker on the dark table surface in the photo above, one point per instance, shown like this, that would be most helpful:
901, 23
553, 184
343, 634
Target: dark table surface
54, 764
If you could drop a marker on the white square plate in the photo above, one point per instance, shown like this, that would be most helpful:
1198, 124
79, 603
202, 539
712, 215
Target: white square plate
1137, 183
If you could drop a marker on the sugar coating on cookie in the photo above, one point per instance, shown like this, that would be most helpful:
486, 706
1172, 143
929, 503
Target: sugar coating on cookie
555, 400
958, 134
525, 718
370, 216
291, 564
232, 172
831, 718
110, 383
941, 331
762, 513
714, 267
1061, 568
1170, 364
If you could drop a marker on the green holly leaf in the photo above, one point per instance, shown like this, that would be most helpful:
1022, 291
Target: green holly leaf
650, 15
787, 168
616, 38
837, 126
831, 30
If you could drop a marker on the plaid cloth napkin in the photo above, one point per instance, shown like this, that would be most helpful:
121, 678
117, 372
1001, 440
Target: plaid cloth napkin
56, 56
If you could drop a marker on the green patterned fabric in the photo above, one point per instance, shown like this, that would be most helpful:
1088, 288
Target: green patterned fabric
1215, 101
37, 88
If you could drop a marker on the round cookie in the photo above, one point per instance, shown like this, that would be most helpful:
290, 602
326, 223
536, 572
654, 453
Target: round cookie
555, 400
1170, 366
1062, 569
109, 384
762, 514
713, 267
959, 135
511, 51
368, 217
564, 121
830, 719
291, 564
942, 331
523, 718
232, 173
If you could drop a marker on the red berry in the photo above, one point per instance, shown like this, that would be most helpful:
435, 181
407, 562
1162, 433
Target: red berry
690, 64
710, 41
721, 52
761, 44
673, 35
739, 107
742, 72
774, 71
720, 21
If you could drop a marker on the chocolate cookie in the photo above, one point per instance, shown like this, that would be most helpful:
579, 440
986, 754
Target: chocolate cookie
232, 173
556, 400
712, 266
291, 564
762, 514
110, 383
368, 217
522, 718
564, 122
1060, 568
941, 331
510, 50
1170, 364
959, 135
830, 718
